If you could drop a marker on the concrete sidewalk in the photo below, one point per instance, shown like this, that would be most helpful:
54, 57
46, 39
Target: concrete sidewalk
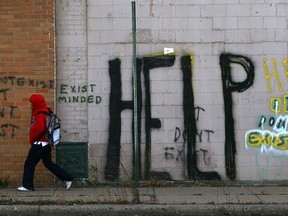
194, 200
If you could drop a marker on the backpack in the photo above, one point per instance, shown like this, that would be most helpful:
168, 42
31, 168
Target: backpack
53, 132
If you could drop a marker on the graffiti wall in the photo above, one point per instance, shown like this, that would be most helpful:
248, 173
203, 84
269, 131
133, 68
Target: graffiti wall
26, 66
213, 108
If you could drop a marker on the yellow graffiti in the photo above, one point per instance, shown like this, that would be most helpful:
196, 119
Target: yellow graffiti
285, 66
257, 138
285, 103
277, 103
268, 76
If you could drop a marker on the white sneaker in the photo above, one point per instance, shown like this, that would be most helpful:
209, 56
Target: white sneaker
23, 189
68, 184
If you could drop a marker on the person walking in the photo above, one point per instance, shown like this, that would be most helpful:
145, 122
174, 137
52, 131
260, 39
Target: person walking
40, 149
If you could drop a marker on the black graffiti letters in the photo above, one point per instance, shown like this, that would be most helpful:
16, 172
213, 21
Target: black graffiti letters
190, 125
208, 134
11, 108
178, 134
72, 94
191, 115
170, 155
65, 89
80, 99
21, 81
115, 109
229, 86
3, 91
199, 134
10, 111
113, 152
150, 63
12, 80
42, 84
16, 81
5, 127
198, 111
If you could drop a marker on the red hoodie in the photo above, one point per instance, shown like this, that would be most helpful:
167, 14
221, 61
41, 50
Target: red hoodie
38, 121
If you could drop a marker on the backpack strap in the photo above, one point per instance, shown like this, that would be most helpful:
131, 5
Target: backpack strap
43, 133
44, 112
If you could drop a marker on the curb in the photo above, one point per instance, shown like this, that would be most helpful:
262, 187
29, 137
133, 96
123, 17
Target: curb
143, 210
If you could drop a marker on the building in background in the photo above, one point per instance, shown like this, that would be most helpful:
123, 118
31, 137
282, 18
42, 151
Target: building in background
213, 108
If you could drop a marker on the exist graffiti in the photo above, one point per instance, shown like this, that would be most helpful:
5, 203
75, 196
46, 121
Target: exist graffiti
67, 94
273, 135
66, 89
190, 127
170, 154
266, 140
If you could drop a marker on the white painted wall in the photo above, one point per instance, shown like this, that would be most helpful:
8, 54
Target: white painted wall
102, 30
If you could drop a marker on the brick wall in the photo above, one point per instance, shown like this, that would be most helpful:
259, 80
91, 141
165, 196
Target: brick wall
27, 65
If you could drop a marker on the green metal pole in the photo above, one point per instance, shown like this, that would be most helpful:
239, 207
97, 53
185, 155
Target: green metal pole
135, 98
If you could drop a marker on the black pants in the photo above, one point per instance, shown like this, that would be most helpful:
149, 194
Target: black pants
36, 153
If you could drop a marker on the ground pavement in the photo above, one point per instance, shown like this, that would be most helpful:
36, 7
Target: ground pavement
175, 200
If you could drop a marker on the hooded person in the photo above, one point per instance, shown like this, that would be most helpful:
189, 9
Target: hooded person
37, 128
40, 149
